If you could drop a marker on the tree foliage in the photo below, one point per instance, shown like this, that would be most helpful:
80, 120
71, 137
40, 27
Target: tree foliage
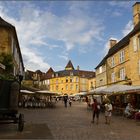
7, 60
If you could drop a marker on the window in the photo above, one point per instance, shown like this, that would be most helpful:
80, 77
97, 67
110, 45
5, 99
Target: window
100, 69
91, 85
52, 75
57, 87
70, 79
122, 74
71, 73
66, 80
83, 75
76, 87
71, 87
66, 87
112, 61
113, 77
135, 44
77, 79
122, 56
56, 74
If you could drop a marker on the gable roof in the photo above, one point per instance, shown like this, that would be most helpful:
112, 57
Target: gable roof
101, 63
50, 70
69, 65
81, 73
121, 44
5, 24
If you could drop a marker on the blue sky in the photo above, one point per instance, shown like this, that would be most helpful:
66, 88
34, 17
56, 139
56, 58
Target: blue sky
51, 33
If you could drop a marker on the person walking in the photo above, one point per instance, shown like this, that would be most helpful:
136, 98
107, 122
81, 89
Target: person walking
96, 111
108, 112
70, 102
65, 100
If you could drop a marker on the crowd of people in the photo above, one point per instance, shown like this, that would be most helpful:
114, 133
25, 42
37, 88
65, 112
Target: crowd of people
107, 107
96, 106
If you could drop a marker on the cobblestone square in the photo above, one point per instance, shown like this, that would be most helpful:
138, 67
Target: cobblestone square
71, 123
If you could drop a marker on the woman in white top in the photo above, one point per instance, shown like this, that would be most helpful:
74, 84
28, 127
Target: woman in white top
108, 112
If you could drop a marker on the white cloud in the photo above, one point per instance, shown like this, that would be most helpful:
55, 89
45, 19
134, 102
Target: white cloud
122, 4
34, 61
128, 28
116, 13
35, 27
25, 33
65, 57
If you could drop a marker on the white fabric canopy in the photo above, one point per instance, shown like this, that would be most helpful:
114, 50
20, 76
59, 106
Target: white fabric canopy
121, 88
26, 91
47, 92
116, 89
80, 93
98, 90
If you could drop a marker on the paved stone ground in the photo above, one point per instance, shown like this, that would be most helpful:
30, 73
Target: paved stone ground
71, 123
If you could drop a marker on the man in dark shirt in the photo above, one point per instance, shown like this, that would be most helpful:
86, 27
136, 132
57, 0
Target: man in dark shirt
96, 111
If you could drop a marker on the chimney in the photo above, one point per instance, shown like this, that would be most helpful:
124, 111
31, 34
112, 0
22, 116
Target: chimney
136, 13
112, 42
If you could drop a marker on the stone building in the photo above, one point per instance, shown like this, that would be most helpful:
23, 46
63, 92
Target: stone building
121, 65
68, 81
71, 80
9, 45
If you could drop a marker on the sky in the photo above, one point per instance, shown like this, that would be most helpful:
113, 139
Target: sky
51, 33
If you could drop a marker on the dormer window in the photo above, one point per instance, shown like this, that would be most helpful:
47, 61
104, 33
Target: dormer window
52, 75
56, 74
71, 73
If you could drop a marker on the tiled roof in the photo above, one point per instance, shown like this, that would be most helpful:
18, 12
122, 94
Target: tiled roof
121, 44
38, 72
50, 70
69, 65
5, 24
63, 73
81, 73
102, 62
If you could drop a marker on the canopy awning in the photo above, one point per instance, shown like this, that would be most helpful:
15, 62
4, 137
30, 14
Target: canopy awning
47, 92
116, 89
80, 94
26, 92
98, 91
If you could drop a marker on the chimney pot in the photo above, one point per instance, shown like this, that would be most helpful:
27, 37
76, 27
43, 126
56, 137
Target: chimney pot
136, 13
112, 42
